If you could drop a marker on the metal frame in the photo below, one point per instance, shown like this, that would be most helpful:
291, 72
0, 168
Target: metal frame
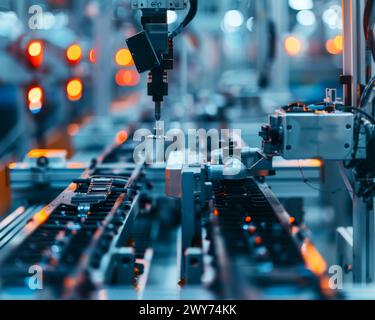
354, 65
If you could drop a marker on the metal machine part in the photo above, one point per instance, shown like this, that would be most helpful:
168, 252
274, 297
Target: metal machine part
86, 238
46, 171
309, 134
163, 4
252, 239
252, 225
152, 49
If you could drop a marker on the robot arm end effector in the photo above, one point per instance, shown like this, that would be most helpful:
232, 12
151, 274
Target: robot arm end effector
152, 49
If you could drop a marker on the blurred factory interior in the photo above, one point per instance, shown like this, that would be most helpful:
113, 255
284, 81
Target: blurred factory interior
282, 209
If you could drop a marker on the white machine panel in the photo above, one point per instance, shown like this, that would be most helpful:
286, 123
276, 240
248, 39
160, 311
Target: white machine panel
327, 136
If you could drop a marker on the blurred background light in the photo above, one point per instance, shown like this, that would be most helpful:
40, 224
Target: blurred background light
250, 24
301, 4
35, 48
92, 56
35, 99
306, 17
34, 53
293, 46
124, 58
74, 54
127, 78
233, 20
74, 89
333, 17
171, 16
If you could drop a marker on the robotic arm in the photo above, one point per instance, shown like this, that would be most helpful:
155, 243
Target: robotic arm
152, 49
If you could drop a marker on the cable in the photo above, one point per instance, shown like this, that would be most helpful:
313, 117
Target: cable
310, 185
369, 26
367, 92
364, 113
189, 17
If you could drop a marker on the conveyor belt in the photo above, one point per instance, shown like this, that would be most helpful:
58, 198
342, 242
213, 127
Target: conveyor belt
258, 236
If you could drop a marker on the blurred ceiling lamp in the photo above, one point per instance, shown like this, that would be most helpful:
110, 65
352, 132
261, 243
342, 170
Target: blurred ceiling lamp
233, 20
306, 18
74, 89
74, 54
127, 78
331, 47
124, 58
301, 4
92, 56
35, 53
293, 46
35, 97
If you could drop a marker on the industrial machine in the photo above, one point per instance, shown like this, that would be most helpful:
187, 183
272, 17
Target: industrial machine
197, 216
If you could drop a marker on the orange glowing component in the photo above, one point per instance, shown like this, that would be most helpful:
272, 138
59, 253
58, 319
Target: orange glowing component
76, 165
35, 48
35, 99
34, 53
41, 216
258, 240
92, 56
35, 94
121, 137
309, 163
313, 260
251, 229
12, 165
74, 54
74, 89
331, 47
48, 153
293, 46
338, 42
127, 78
216, 212
124, 58
248, 219
292, 220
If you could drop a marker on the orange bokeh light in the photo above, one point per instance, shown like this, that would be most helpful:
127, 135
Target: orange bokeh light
293, 46
338, 42
331, 47
313, 260
122, 136
74, 54
74, 89
35, 94
124, 58
127, 78
35, 48
92, 56
34, 53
